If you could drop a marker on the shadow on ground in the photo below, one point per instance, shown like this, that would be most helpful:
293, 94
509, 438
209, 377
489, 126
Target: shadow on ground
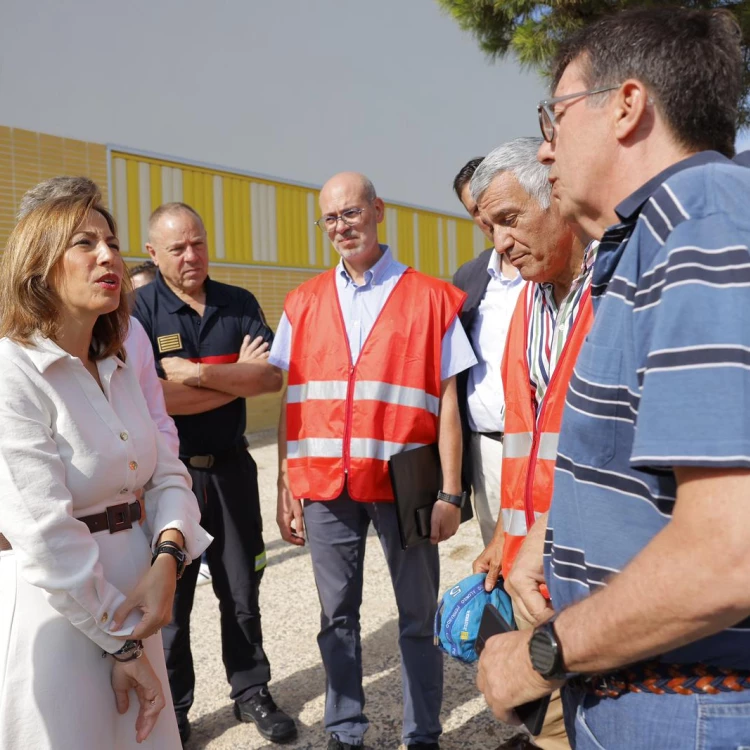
384, 701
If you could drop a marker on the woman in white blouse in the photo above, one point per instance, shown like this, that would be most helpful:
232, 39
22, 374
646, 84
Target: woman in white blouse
84, 587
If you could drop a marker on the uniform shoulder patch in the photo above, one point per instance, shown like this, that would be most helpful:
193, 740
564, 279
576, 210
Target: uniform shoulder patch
170, 343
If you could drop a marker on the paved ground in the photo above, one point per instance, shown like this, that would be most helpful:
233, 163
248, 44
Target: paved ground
290, 622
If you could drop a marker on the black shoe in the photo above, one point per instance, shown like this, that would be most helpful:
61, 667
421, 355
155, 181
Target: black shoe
424, 746
271, 721
183, 727
518, 742
334, 744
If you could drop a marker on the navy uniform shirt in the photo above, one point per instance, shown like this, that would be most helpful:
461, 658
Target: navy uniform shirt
176, 330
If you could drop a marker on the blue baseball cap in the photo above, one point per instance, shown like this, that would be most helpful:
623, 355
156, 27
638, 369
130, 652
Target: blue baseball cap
460, 612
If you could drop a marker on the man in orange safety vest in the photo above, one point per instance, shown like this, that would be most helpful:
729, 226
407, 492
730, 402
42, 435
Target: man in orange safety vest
372, 348
549, 324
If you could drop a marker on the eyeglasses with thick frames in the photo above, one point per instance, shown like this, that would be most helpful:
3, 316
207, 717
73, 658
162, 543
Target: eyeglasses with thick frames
547, 114
350, 217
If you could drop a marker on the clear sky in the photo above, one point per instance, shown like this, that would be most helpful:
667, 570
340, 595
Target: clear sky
299, 89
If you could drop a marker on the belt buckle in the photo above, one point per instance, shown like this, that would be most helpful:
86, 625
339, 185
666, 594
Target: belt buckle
201, 462
118, 518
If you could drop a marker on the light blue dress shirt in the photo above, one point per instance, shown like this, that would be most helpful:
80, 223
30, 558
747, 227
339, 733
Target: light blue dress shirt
361, 305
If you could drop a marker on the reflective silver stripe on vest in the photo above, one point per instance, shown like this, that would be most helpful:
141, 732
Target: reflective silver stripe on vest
316, 447
316, 390
401, 395
378, 449
517, 444
514, 521
548, 445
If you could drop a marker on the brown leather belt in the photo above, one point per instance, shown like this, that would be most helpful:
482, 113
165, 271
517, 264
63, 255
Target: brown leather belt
115, 518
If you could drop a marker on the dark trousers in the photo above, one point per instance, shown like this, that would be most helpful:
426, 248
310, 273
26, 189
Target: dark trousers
337, 534
230, 511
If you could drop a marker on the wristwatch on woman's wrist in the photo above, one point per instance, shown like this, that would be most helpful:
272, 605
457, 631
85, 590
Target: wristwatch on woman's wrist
131, 651
171, 548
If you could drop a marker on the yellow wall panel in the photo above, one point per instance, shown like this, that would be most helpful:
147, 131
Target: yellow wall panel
428, 244
464, 241
154, 178
244, 253
291, 221
134, 214
406, 236
207, 211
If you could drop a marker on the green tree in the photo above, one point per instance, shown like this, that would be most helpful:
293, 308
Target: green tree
531, 30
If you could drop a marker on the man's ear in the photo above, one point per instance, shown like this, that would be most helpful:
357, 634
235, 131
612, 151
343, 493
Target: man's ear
379, 209
631, 108
150, 250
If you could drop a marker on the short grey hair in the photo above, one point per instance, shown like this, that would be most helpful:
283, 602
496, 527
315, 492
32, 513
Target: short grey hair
369, 189
519, 158
58, 187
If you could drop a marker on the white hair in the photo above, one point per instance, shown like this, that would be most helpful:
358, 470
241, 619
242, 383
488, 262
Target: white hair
519, 158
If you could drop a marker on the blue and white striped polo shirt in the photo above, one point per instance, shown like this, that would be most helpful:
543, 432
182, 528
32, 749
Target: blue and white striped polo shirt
662, 380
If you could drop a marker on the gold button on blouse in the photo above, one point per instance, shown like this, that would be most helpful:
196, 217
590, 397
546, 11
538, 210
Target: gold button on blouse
123, 436
133, 465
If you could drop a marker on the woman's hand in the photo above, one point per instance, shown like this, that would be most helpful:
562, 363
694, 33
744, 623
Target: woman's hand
153, 596
138, 675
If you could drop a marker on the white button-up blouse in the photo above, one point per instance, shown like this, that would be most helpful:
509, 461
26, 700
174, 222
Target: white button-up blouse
69, 448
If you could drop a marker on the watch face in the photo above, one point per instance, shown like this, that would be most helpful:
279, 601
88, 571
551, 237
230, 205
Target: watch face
543, 653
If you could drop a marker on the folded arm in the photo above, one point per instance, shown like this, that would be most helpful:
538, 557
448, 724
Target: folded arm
186, 399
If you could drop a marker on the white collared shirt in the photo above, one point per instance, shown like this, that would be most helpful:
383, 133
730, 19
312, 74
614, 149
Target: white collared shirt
485, 400
69, 448
360, 308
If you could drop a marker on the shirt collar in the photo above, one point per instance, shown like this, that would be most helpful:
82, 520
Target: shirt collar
373, 275
629, 208
174, 304
44, 352
589, 256
493, 269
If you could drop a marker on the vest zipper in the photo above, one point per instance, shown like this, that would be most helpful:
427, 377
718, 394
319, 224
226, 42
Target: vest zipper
348, 424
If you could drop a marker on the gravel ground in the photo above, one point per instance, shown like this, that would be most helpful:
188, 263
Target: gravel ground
290, 623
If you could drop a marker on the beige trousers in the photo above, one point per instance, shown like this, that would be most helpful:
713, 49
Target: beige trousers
486, 460
552, 736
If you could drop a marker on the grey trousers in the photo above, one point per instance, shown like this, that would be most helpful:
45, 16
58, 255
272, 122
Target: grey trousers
336, 533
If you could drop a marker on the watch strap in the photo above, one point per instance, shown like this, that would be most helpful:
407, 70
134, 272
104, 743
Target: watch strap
545, 652
130, 651
171, 548
457, 500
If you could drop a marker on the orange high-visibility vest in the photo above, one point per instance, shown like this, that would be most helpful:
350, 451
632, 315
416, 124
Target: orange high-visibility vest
530, 441
346, 420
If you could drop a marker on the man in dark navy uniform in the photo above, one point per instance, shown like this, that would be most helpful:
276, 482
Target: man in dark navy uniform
210, 342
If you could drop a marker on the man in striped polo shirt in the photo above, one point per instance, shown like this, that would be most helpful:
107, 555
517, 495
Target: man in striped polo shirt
646, 547
513, 195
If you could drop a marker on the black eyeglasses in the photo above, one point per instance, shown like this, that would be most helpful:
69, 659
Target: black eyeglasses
350, 217
547, 114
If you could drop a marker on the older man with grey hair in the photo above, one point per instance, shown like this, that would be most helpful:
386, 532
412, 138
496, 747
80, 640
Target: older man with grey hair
492, 287
551, 318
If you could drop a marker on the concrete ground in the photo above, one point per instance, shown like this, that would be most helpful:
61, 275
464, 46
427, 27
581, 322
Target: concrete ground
290, 610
